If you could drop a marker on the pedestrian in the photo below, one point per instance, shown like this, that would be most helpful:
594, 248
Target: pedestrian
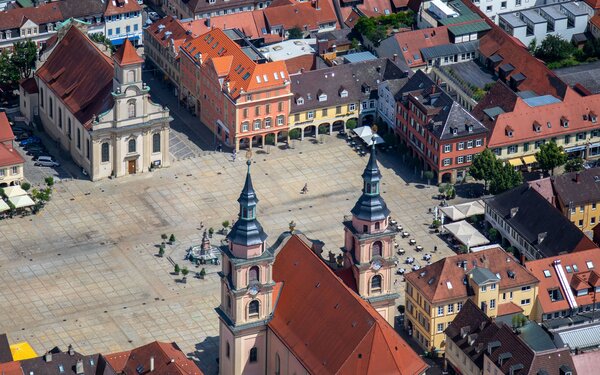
201, 224
305, 189
233, 156
434, 249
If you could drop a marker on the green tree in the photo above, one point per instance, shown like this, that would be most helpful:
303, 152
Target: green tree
295, 33
551, 156
161, 251
49, 181
574, 165
351, 124
172, 238
176, 269
101, 39
26, 186
532, 46
24, 56
484, 166
354, 44
493, 234
428, 176
554, 48
9, 74
505, 178
591, 48
294, 133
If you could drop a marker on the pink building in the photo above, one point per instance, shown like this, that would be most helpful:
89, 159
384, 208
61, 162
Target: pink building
241, 97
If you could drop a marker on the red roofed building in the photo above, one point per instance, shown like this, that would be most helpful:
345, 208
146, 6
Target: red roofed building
155, 358
314, 16
11, 162
240, 99
285, 311
99, 110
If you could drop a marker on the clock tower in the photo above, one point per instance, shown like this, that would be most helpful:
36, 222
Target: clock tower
246, 291
368, 244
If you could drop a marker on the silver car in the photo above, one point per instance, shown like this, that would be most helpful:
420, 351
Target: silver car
46, 161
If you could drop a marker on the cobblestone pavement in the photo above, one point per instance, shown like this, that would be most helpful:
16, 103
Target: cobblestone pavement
84, 270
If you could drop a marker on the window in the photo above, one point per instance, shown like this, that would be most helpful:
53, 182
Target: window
253, 355
580, 223
310, 115
469, 158
127, 29
131, 146
440, 327
524, 289
478, 142
253, 309
78, 138
87, 149
245, 113
227, 350
118, 30
245, 126
488, 8
525, 301
451, 308
156, 142
104, 152
110, 32
484, 288
492, 304
42, 98
376, 249
440, 310
376, 283
253, 274
256, 124
460, 160
459, 306
51, 109
135, 27
338, 109
257, 111
324, 112
460, 146
503, 5
547, 273
268, 122
60, 120
512, 149
593, 206
3, 172
447, 162
131, 108
470, 144
15, 170
280, 120
277, 364
581, 208
447, 148
280, 106
351, 107
130, 76
493, 287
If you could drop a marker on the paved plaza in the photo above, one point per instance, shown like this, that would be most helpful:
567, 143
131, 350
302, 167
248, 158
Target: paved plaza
84, 270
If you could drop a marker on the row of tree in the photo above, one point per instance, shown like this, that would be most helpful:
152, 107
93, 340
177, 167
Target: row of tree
376, 28
17, 65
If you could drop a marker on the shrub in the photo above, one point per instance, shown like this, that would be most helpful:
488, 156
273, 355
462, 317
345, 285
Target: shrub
225, 224
172, 238
49, 180
177, 269
26, 186
294, 133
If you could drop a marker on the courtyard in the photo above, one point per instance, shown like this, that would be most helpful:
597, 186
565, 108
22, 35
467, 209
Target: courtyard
84, 271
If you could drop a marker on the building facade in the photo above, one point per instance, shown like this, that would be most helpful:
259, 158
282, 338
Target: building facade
245, 102
577, 197
197, 9
491, 278
11, 162
439, 132
105, 121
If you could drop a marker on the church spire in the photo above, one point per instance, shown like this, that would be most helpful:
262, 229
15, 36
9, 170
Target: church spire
371, 206
247, 231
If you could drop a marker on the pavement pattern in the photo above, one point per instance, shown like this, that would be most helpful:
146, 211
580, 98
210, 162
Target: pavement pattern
84, 271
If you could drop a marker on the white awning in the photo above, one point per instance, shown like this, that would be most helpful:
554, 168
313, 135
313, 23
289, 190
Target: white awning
466, 233
14, 191
22, 201
368, 139
3, 206
363, 131
471, 208
453, 213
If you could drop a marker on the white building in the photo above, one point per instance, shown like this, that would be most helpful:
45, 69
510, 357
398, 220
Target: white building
98, 109
386, 101
565, 20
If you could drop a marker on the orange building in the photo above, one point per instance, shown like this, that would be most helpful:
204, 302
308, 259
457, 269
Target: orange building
241, 97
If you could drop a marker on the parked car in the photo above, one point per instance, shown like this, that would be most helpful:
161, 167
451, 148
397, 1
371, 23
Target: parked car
22, 136
46, 161
36, 152
153, 16
30, 140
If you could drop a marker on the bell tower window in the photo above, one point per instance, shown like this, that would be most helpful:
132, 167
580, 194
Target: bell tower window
376, 284
377, 225
253, 308
253, 274
376, 249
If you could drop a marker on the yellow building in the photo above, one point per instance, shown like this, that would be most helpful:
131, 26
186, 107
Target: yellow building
491, 278
578, 197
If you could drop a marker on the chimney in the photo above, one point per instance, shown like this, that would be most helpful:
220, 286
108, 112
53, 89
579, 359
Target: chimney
48, 357
79, 367
207, 22
301, 70
577, 177
513, 211
394, 57
70, 350
541, 237
151, 363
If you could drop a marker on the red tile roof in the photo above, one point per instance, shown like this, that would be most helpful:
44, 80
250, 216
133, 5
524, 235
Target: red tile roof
448, 270
114, 7
168, 360
176, 28
587, 363
303, 15
328, 327
411, 43
11, 368
573, 108
243, 74
9, 156
66, 73
508, 309
579, 259
14, 18
29, 85
596, 19
6, 133
127, 55
374, 8
296, 64
593, 3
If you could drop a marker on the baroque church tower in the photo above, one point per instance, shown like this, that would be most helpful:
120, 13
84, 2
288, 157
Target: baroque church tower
246, 291
368, 247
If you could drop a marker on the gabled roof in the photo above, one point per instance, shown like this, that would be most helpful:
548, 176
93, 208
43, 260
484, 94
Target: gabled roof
328, 327
13, 18
300, 14
577, 188
445, 279
66, 73
576, 279
6, 133
168, 359
11, 368
167, 29
94, 364
561, 235
127, 55
245, 74
30, 85
409, 44
81, 8
9, 156
114, 7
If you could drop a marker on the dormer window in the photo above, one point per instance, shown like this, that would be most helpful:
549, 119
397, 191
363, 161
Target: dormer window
322, 97
509, 131
470, 128
300, 101
454, 131
344, 93
537, 127
593, 117
564, 122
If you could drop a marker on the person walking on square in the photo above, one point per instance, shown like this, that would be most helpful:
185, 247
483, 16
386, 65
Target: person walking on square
233, 156
305, 189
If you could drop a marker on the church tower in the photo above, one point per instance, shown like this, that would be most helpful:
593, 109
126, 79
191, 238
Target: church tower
246, 291
368, 247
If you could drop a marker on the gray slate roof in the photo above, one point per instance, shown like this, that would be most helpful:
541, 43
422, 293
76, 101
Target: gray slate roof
483, 276
430, 53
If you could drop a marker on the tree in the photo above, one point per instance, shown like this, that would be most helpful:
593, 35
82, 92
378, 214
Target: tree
161, 250
294, 133
49, 181
26, 186
428, 176
295, 33
202, 273
24, 56
164, 237
484, 166
9, 74
101, 39
351, 124
493, 234
184, 272
176, 269
505, 178
554, 48
551, 156
532, 46
574, 165
172, 238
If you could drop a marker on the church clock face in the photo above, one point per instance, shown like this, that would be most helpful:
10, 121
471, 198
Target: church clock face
253, 290
376, 265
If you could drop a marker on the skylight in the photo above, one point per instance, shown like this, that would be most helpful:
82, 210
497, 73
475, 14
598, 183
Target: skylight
258, 79
568, 268
547, 273
449, 284
575, 268
589, 264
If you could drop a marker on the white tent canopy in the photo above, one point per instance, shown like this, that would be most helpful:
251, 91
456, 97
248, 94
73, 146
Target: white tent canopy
22, 201
3, 206
466, 233
463, 210
374, 137
363, 131
14, 191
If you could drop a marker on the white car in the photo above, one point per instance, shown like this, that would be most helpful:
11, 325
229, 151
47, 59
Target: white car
46, 161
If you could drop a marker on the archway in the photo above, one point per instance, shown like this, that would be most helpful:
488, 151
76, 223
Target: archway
368, 120
446, 177
338, 126
310, 130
